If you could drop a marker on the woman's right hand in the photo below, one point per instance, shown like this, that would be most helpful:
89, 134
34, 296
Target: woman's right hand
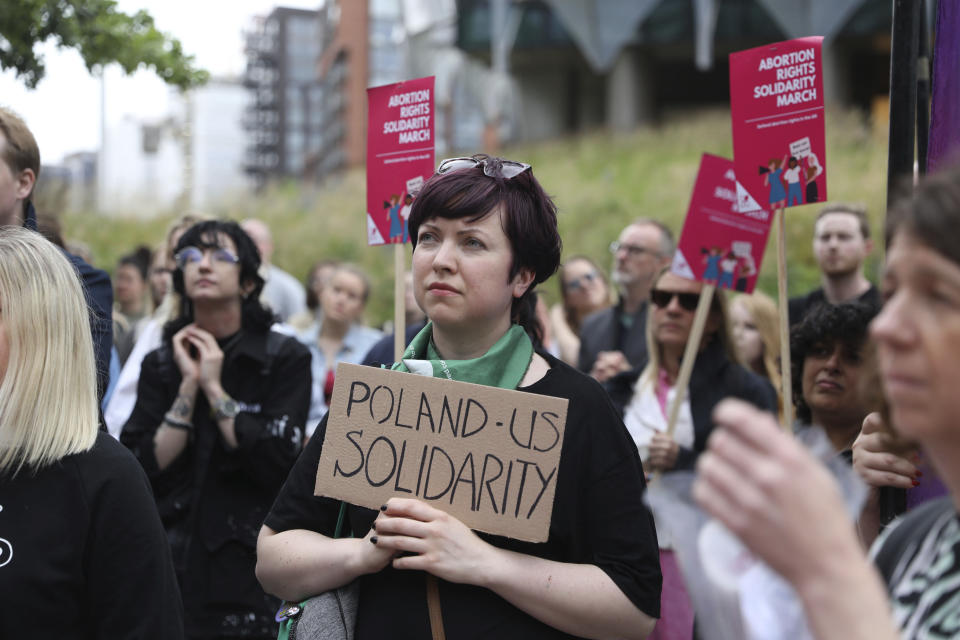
188, 365
874, 459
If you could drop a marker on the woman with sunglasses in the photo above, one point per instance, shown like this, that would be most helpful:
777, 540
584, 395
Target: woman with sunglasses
583, 290
768, 490
484, 234
646, 394
217, 425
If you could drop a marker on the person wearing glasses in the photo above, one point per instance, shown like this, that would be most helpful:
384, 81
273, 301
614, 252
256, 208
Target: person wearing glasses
217, 425
583, 291
646, 394
484, 233
612, 341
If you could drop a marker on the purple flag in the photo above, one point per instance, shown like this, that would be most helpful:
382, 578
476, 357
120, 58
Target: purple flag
944, 145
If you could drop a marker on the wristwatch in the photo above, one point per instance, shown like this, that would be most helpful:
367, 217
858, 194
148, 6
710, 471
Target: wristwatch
226, 407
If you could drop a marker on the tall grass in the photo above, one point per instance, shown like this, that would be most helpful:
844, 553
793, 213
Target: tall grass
601, 181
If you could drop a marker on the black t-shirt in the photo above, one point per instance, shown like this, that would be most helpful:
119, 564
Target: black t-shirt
598, 518
799, 306
919, 558
83, 554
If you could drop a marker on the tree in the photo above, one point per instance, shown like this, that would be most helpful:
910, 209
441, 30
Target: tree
98, 31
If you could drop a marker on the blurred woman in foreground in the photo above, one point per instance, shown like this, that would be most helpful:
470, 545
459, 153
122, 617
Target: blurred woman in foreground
768, 490
82, 552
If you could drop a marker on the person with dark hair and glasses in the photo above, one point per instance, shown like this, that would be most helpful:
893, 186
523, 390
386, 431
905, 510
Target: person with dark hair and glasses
484, 233
644, 397
217, 425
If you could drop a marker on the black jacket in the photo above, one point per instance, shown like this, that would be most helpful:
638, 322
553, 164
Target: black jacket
98, 291
213, 500
713, 378
603, 331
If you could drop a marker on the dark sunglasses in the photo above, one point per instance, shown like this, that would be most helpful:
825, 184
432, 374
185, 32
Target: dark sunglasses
193, 255
505, 168
661, 298
580, 282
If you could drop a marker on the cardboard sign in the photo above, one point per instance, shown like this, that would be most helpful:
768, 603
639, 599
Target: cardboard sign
488, 456
720, 244
779, 139
400, 153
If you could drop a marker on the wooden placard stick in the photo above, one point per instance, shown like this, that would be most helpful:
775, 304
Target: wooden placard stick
690, 354
784, 304
399, 298
689, 357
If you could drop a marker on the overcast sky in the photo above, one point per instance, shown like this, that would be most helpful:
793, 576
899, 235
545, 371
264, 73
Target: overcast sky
64, 110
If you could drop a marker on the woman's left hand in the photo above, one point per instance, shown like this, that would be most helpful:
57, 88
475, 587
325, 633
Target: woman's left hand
663, 451
441, 544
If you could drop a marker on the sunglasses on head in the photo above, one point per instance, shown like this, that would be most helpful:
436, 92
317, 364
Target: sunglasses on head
662, 298
492, 167
193, 255
580, 282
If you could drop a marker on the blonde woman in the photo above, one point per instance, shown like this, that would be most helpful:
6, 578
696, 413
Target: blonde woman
82, 550
644, 396
755, 325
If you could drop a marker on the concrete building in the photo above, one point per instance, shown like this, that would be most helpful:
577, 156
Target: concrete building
283, 119
580, 64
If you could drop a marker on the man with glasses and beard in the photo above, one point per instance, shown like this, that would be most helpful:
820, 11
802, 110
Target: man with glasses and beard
613, 340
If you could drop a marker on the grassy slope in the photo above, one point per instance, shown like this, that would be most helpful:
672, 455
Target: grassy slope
600, 182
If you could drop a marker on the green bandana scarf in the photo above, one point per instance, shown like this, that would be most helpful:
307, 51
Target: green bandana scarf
503, 365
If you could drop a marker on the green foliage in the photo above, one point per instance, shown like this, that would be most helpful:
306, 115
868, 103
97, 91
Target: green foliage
98, 31
600, 183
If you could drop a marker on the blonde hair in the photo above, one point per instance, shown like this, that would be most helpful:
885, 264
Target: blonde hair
763, 311
723, 333
48, 394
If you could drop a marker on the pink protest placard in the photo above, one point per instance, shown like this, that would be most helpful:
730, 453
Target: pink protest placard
400, 155
779, 139
720, 244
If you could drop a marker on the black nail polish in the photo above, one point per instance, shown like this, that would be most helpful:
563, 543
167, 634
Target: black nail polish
383, 507
373, 539
373, 526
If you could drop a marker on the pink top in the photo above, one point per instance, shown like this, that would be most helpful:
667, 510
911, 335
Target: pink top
663, 388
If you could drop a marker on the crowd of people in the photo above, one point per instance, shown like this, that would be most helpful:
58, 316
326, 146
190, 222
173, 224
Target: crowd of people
159, 440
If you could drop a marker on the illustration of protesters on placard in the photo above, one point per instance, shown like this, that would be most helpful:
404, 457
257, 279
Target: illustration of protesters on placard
813, 171
393, 217
728, 270
793, 178
748, 266
405, 215
773, 177
711, 258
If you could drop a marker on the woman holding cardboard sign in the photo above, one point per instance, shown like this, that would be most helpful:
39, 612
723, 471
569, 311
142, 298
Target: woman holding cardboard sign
484, 233
646, 394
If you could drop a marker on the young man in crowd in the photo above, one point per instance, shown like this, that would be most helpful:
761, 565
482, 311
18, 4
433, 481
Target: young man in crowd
841, 243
